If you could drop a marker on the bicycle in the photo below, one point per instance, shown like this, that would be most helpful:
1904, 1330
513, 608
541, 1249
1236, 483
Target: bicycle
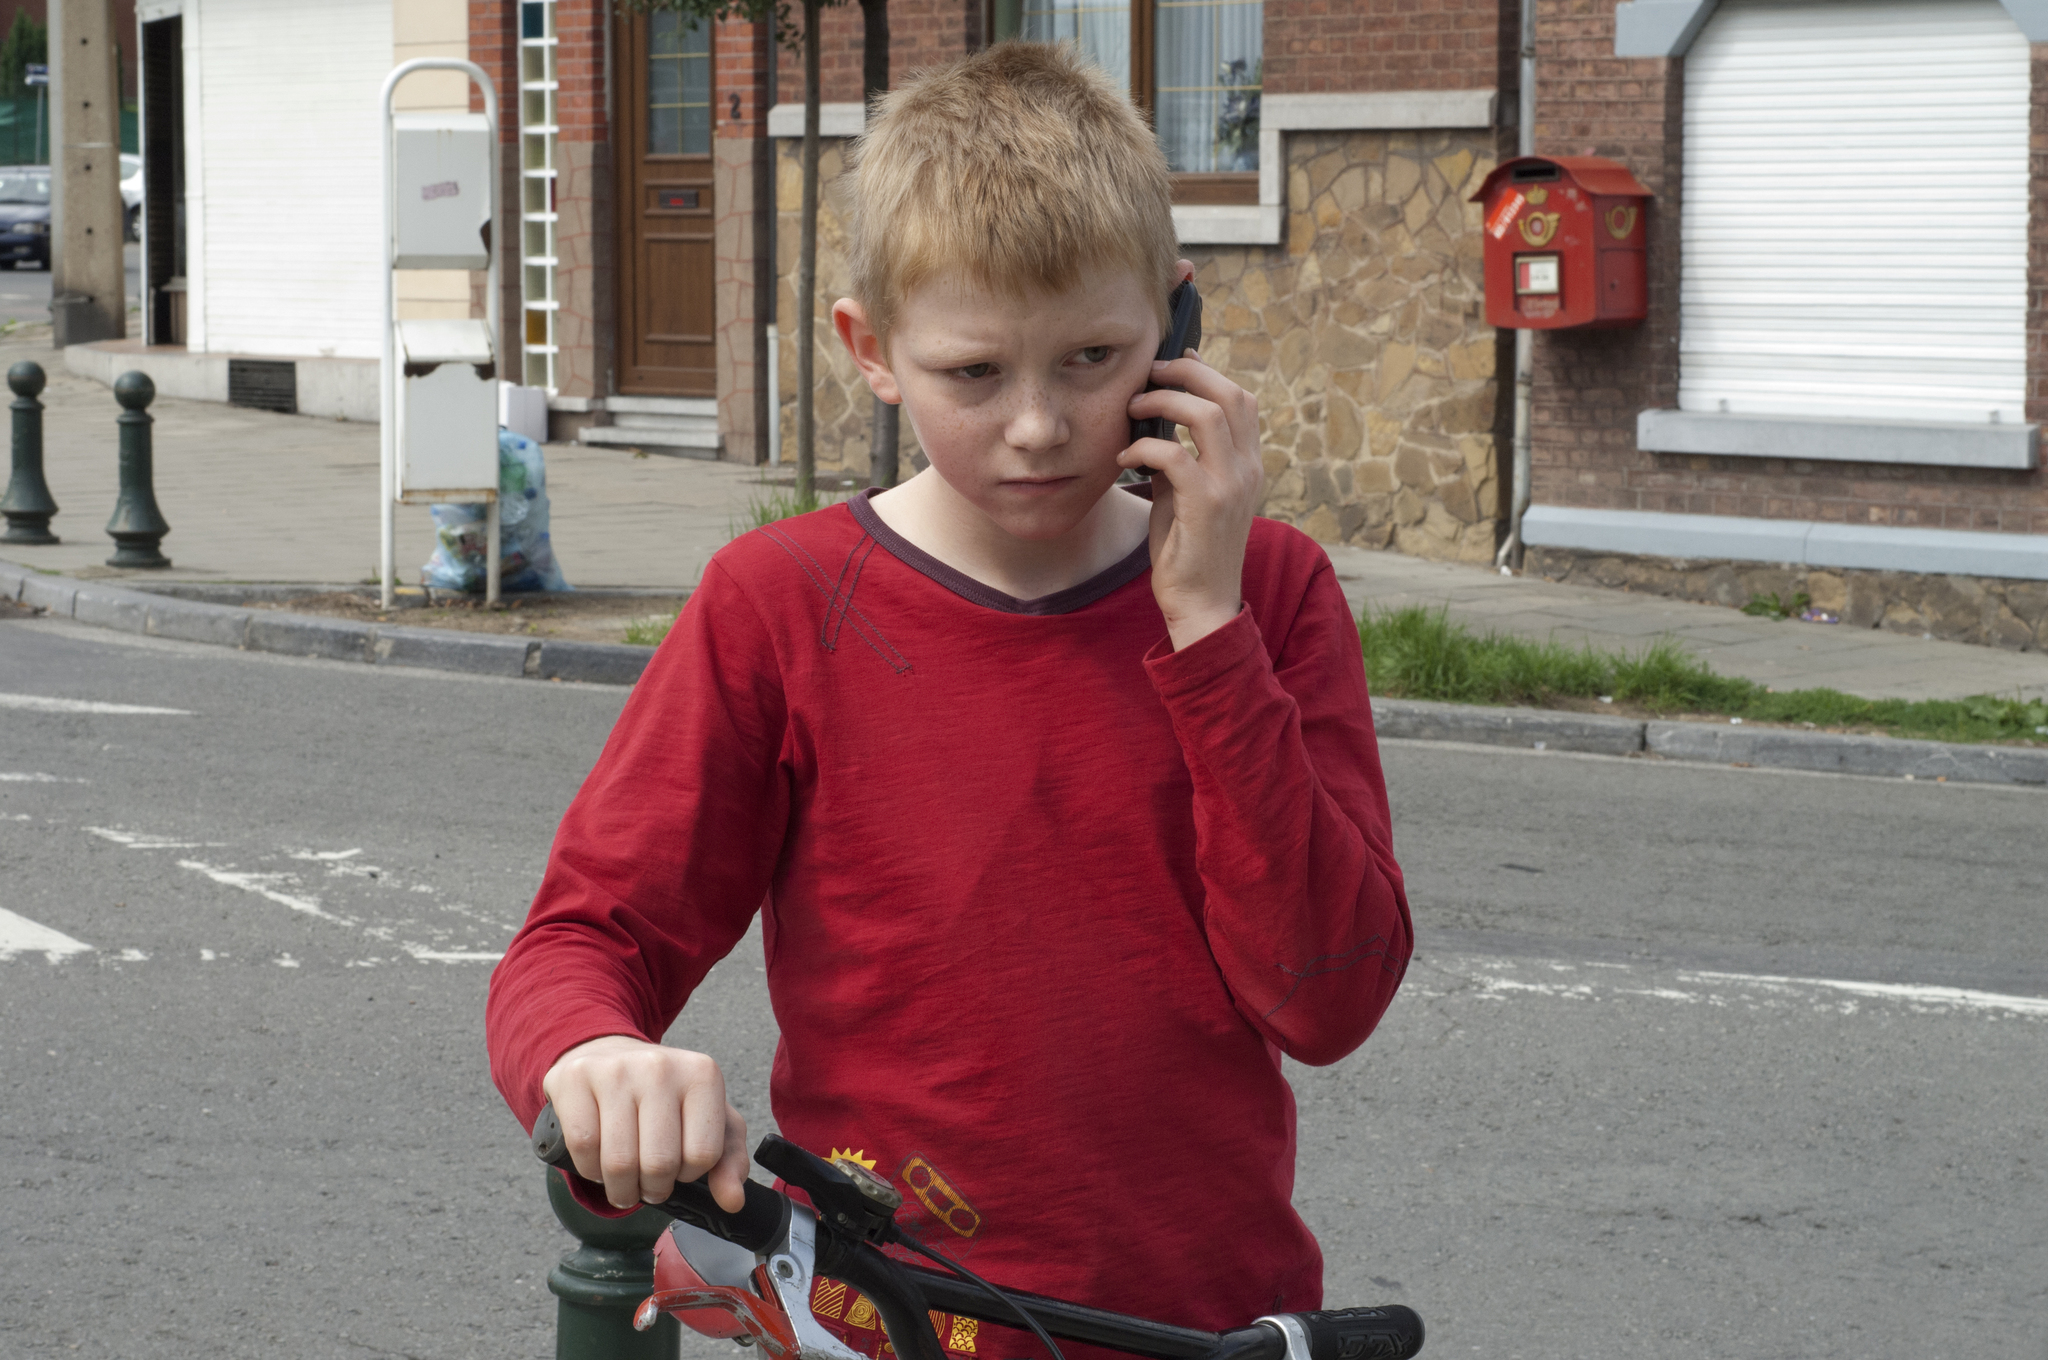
749, 1276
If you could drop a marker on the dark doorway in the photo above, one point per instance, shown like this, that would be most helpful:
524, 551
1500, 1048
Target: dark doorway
163, 180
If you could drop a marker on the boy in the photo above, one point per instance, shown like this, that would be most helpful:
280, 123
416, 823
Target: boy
1062, 808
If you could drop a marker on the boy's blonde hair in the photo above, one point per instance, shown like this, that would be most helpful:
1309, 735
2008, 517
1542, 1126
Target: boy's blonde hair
1020, 168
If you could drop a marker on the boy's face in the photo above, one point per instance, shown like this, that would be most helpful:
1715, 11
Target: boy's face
1020, 404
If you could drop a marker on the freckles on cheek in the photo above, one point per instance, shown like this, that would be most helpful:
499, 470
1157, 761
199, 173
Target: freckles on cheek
946, 428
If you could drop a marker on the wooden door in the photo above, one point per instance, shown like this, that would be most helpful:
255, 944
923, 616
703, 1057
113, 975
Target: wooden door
666, 307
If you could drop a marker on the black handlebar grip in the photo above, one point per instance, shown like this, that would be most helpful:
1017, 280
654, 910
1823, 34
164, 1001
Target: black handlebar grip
1388, 1332
757, 1226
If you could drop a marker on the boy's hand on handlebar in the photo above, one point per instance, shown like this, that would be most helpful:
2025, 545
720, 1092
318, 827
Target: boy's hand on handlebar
639, 1117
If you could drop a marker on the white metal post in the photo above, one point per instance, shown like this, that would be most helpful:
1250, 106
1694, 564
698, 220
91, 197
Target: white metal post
493, 526
774, 394
1510, 554
388, 395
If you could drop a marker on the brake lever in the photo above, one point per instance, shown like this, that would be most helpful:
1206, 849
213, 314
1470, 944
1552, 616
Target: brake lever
854, 1200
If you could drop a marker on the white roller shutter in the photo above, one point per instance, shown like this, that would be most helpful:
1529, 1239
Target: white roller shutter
1855, 211
291, 178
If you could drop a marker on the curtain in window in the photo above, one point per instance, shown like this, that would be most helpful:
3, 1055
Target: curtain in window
678, 85
1208, 63
1101, 30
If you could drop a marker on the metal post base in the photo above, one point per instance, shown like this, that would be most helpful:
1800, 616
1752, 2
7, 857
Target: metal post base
602, 1283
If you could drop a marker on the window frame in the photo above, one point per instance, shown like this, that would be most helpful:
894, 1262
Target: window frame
1224, 188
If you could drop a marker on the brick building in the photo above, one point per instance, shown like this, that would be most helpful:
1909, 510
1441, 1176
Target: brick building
1325, 153
1836, 389
1838, 386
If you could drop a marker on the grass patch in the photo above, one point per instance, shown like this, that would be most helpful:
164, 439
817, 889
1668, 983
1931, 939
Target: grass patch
1771, 607
649, 632
781, 502
1418, 653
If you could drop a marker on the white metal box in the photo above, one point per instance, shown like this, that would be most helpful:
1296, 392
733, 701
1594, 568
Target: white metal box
524, 410
441, 184
447, 412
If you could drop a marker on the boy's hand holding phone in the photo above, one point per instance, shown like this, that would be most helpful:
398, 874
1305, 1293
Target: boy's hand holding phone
639, 1117
1202, 502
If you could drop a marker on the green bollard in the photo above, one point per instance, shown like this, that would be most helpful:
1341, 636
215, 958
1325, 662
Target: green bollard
28, 504
603, 1282
138, 527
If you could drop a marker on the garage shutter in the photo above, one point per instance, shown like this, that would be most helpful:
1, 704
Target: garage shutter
1855, 211
287, 178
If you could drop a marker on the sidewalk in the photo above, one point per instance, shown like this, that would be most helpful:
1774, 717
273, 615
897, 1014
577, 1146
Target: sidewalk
1866, 662
253, 496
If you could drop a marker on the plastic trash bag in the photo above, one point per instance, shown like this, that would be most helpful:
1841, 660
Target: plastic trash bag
526, 557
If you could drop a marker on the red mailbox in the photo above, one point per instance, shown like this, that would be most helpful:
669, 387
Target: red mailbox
1564, 244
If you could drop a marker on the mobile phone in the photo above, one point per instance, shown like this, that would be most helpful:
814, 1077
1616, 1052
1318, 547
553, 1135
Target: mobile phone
1183, 333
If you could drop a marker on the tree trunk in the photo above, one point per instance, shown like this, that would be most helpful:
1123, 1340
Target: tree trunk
807, 275
883, 427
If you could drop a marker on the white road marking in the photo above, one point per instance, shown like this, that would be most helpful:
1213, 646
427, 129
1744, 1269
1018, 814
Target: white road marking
259, 884
272, 887
136, 840
19, 935
1945, 998
207, 956
33, 777
1500, 979
426, 955
132, 956
43, 703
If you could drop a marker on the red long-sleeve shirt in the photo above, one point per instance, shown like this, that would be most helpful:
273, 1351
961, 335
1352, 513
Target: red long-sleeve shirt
1044, 899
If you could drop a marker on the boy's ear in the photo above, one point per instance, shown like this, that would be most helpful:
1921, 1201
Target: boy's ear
850, 319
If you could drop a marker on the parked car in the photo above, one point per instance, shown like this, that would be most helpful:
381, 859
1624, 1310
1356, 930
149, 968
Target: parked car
24, 215
131, 195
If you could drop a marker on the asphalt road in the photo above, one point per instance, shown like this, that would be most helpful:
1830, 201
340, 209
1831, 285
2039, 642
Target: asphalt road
1674, 1073
25, 289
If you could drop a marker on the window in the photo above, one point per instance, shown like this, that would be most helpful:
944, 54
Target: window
19, 188
1195, 66
538, 88
678, 85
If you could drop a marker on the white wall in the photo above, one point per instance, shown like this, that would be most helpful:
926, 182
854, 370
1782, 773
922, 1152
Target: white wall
281, 109
433, 28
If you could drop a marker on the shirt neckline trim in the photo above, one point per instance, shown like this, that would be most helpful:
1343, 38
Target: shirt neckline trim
1134, 564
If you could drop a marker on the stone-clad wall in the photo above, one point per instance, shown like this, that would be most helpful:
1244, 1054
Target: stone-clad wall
1362, 335
1983, 610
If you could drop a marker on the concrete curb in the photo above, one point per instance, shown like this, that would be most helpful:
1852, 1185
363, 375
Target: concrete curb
1538, 729
1710, 743
1828, 753
241, 593
155, 614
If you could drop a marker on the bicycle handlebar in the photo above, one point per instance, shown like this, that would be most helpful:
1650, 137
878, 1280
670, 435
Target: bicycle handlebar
756, 1227
904, 1293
